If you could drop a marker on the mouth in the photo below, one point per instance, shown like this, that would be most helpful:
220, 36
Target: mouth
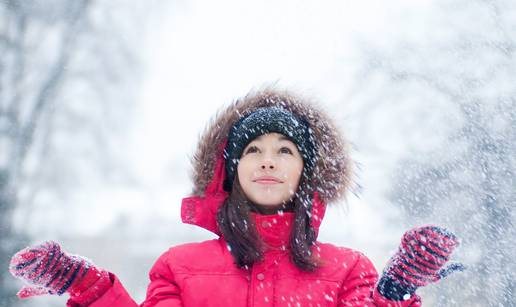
267, 180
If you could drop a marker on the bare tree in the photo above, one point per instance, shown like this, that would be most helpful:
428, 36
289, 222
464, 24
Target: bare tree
61, 65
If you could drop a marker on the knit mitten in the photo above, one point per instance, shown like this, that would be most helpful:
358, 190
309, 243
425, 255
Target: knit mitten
49, 270
418, 262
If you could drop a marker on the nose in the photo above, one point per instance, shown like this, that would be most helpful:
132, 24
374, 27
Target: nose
265, 166
268, 164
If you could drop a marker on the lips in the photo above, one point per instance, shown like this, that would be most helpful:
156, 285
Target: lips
267, 180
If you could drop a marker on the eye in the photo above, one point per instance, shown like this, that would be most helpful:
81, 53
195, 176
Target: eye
285, 150
251, 149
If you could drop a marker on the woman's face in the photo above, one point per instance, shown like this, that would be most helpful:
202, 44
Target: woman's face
269, 170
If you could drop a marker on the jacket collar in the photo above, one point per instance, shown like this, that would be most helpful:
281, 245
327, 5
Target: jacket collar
274, 229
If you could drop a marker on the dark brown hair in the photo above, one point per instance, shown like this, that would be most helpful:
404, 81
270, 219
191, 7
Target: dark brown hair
243, 241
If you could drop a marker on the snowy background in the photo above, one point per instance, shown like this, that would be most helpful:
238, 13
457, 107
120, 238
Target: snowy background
102, 102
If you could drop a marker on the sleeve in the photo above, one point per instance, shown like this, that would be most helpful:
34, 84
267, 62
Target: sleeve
359, 288
161, 292
115, 296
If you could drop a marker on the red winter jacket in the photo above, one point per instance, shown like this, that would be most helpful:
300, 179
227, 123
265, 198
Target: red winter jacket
203, 274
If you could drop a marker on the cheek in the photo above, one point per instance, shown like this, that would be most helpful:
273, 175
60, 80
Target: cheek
297, 170
245, 172
292, 165
294, 174
243, 168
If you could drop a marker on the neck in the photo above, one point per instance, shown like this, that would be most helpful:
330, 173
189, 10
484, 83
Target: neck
268, 210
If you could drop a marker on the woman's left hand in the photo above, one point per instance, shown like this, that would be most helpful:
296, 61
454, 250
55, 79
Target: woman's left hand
420, 260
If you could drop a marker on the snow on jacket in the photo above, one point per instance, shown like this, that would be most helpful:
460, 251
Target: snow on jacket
204, 274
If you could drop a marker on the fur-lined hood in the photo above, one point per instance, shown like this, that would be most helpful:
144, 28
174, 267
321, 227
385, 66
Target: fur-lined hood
333, 170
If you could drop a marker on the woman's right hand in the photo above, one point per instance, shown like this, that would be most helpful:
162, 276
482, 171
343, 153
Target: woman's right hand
50, 270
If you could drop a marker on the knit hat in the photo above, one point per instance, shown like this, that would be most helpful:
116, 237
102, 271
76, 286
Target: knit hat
267, 120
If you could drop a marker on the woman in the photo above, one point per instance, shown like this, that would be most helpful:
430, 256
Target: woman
264, 171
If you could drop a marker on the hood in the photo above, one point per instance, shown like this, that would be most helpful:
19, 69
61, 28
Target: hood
331, 175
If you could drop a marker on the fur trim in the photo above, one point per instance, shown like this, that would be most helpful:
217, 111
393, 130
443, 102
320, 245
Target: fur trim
333, 171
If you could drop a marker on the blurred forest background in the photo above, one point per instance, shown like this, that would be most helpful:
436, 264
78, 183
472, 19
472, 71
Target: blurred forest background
101, 104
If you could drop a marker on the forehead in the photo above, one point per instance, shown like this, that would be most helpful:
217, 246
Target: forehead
273, 136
